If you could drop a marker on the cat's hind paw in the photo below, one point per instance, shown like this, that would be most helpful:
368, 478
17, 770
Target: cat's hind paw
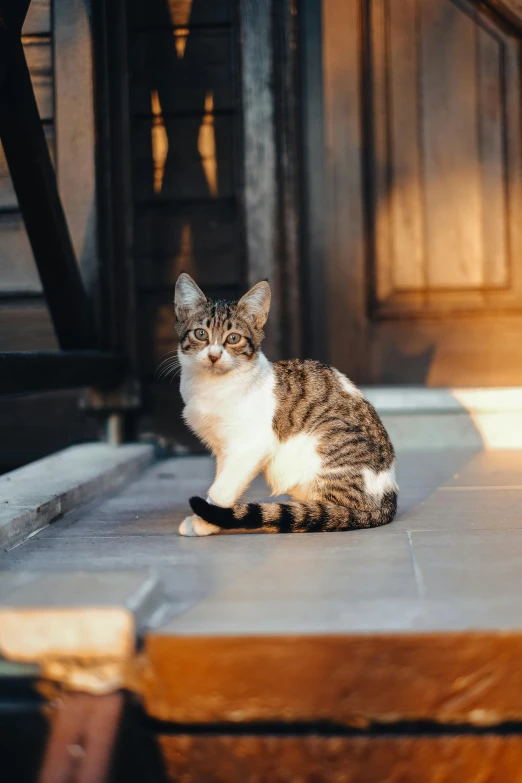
195, 526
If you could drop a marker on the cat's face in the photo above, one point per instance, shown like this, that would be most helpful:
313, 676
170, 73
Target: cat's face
218, 337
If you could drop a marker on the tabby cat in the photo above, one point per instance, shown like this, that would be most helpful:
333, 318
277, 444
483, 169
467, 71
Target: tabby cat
301, 423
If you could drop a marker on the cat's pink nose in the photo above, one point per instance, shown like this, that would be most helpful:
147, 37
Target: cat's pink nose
214, 352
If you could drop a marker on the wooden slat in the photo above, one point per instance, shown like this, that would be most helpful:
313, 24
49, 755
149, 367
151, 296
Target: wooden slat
345, 240
184, 176
143, 13
513, 82
202, 240
25, 372
182, 84
450, 139
26, 325
75, 130
38, 19
406, 203
8, 198
18, 270
410, 759
87, 722
313, 214
38, 53
492, 158
380, 197
260, 189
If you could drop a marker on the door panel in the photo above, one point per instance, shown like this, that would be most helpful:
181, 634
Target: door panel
433, 262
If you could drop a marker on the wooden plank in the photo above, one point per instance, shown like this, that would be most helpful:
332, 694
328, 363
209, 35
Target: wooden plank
26, 325
365, 759
183, 174
287, 86
39, 56
345, 230
380, 272
492, 158
406, 202
182, 84
38, 19
200, 239
22, 372
260, 194
89, 725
461, 677
513, 88
180, 12
313, 192
8, 198
74, 122
18, 271
450, 146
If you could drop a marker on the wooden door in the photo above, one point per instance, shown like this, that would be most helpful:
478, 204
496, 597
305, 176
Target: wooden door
423, 183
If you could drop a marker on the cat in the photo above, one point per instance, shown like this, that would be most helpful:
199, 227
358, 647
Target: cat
301, 423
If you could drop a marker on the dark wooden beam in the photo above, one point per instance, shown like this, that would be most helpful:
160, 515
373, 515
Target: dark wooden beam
12, 17
34, 181
27, 371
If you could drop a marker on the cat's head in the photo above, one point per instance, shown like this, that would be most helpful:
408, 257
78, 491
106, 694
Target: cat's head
218, 337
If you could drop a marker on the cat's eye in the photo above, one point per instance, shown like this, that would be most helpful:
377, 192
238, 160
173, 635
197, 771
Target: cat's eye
201, 334
233, 338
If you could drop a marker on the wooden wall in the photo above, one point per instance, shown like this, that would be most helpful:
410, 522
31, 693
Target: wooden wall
35, 425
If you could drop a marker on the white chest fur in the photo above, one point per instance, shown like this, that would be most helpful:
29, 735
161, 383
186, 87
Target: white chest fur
232, 411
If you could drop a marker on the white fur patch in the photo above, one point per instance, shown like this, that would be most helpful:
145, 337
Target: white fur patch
195, 526
377, 484
295, 464
347, 384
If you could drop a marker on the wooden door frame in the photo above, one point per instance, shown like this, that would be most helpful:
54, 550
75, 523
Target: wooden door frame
334, 215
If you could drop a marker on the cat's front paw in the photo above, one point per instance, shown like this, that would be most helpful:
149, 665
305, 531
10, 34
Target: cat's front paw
195, 526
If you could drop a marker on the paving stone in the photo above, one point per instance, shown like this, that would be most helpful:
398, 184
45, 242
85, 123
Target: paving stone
483, 564
451, 560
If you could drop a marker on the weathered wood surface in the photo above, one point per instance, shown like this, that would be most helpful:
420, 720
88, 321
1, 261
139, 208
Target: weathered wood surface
457, 678
276, 759
438, 103
38, 19
259, 154
82, 739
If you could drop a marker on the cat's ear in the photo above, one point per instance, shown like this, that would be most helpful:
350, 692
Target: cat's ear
255, 304
188, 295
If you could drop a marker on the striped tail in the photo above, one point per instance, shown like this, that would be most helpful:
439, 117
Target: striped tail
294, 517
